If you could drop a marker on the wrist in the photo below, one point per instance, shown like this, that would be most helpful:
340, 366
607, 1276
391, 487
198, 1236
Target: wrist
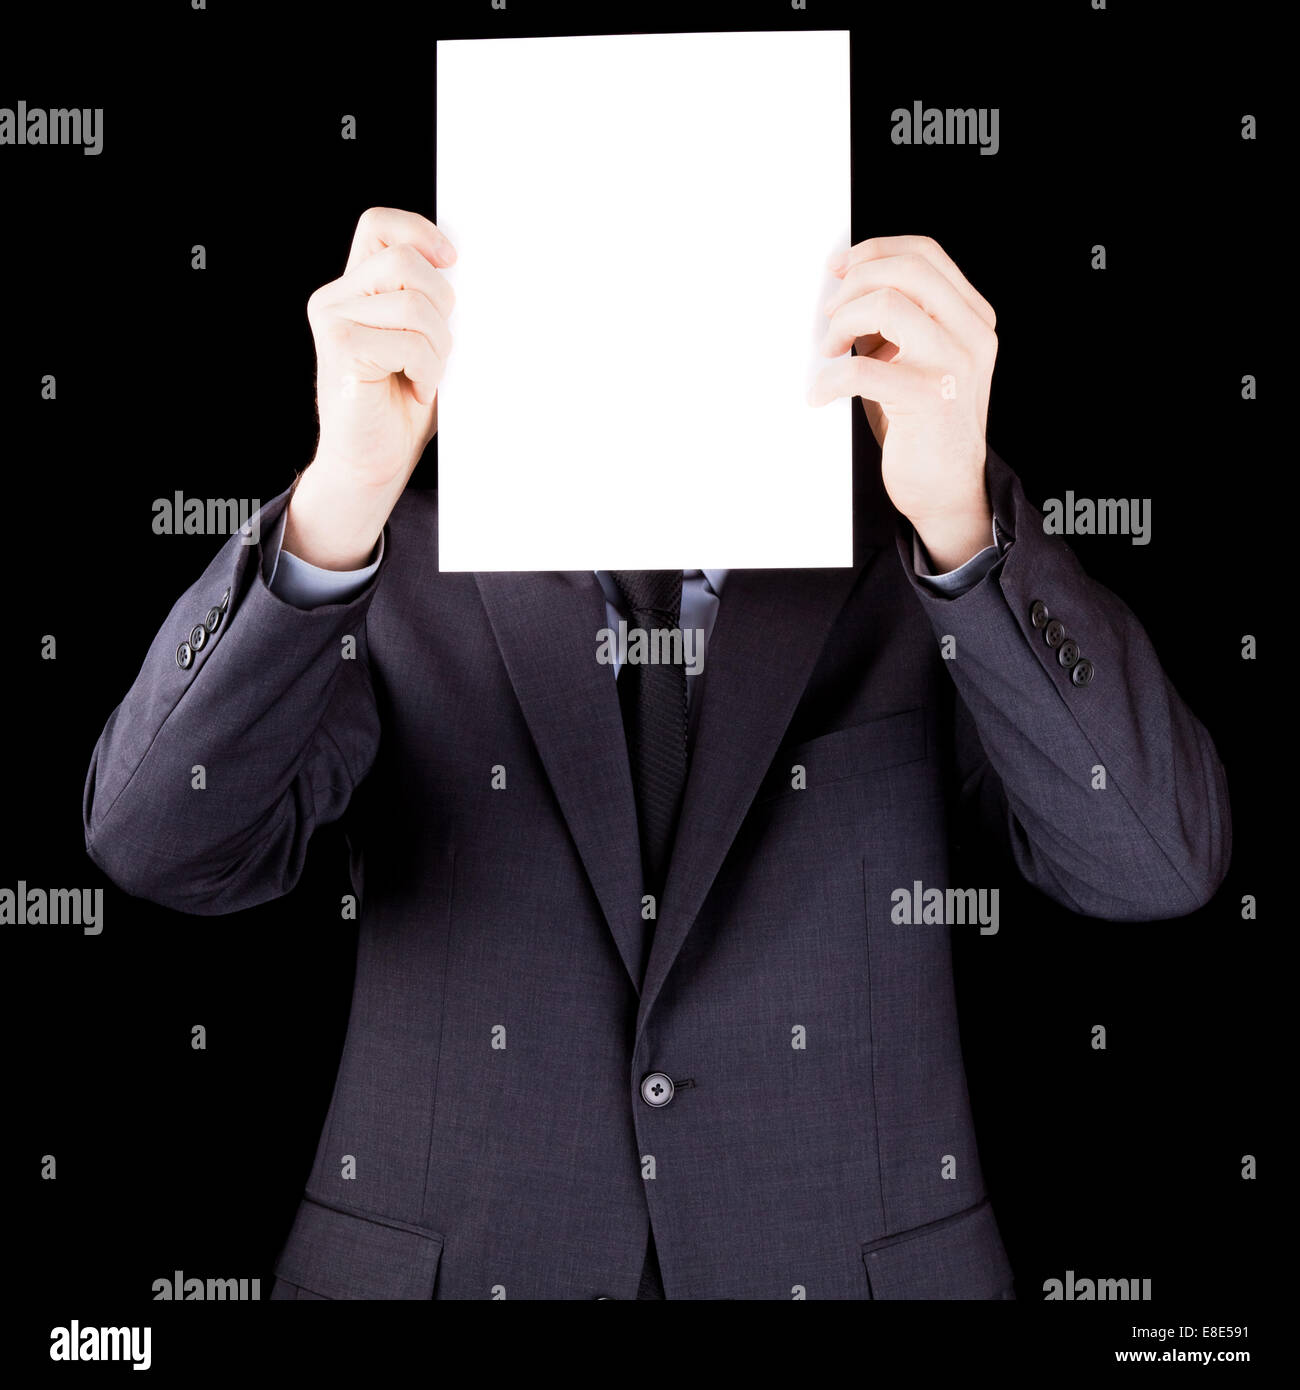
334, 523
951, 540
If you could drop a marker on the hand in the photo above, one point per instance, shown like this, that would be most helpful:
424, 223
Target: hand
925, 351
382, 344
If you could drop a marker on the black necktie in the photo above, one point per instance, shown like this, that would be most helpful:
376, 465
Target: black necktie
653, 700
652, 697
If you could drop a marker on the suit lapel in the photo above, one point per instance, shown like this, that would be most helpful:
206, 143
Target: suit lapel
770, 629
545, 625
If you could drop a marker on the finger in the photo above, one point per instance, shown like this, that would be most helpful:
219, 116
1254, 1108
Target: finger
406, 309
892, 384
400, 267
380, 352
875, 346
920, 282
890, 313
381, 227
875, 248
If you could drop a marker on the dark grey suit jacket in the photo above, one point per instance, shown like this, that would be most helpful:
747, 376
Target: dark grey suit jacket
489, 1090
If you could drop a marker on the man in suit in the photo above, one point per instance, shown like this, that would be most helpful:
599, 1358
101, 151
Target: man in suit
635, 1012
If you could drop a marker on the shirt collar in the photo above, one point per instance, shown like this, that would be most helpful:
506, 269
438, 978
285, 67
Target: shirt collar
715, 579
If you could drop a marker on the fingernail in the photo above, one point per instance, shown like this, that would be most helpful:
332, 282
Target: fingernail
829, 307
836, 264
448, 252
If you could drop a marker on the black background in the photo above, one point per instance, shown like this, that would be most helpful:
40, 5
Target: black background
223, 128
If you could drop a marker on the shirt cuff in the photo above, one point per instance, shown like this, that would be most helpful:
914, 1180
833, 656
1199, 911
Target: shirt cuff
307, 586
964, 577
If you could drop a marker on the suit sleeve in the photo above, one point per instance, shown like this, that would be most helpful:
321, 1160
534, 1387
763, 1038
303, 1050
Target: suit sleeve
249, 724
1055, 678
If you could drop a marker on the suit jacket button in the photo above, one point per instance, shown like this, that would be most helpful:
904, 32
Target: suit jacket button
198, 637
213, 621
1038, 613
1054, 633
1083, 672
184, 656
657, 1089
1068, 653
225, 600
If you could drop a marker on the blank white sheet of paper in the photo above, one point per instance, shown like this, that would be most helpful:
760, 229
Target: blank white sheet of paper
643, 224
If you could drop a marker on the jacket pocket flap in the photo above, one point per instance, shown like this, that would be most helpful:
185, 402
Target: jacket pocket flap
879, 743
343, 1254
960, 1256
